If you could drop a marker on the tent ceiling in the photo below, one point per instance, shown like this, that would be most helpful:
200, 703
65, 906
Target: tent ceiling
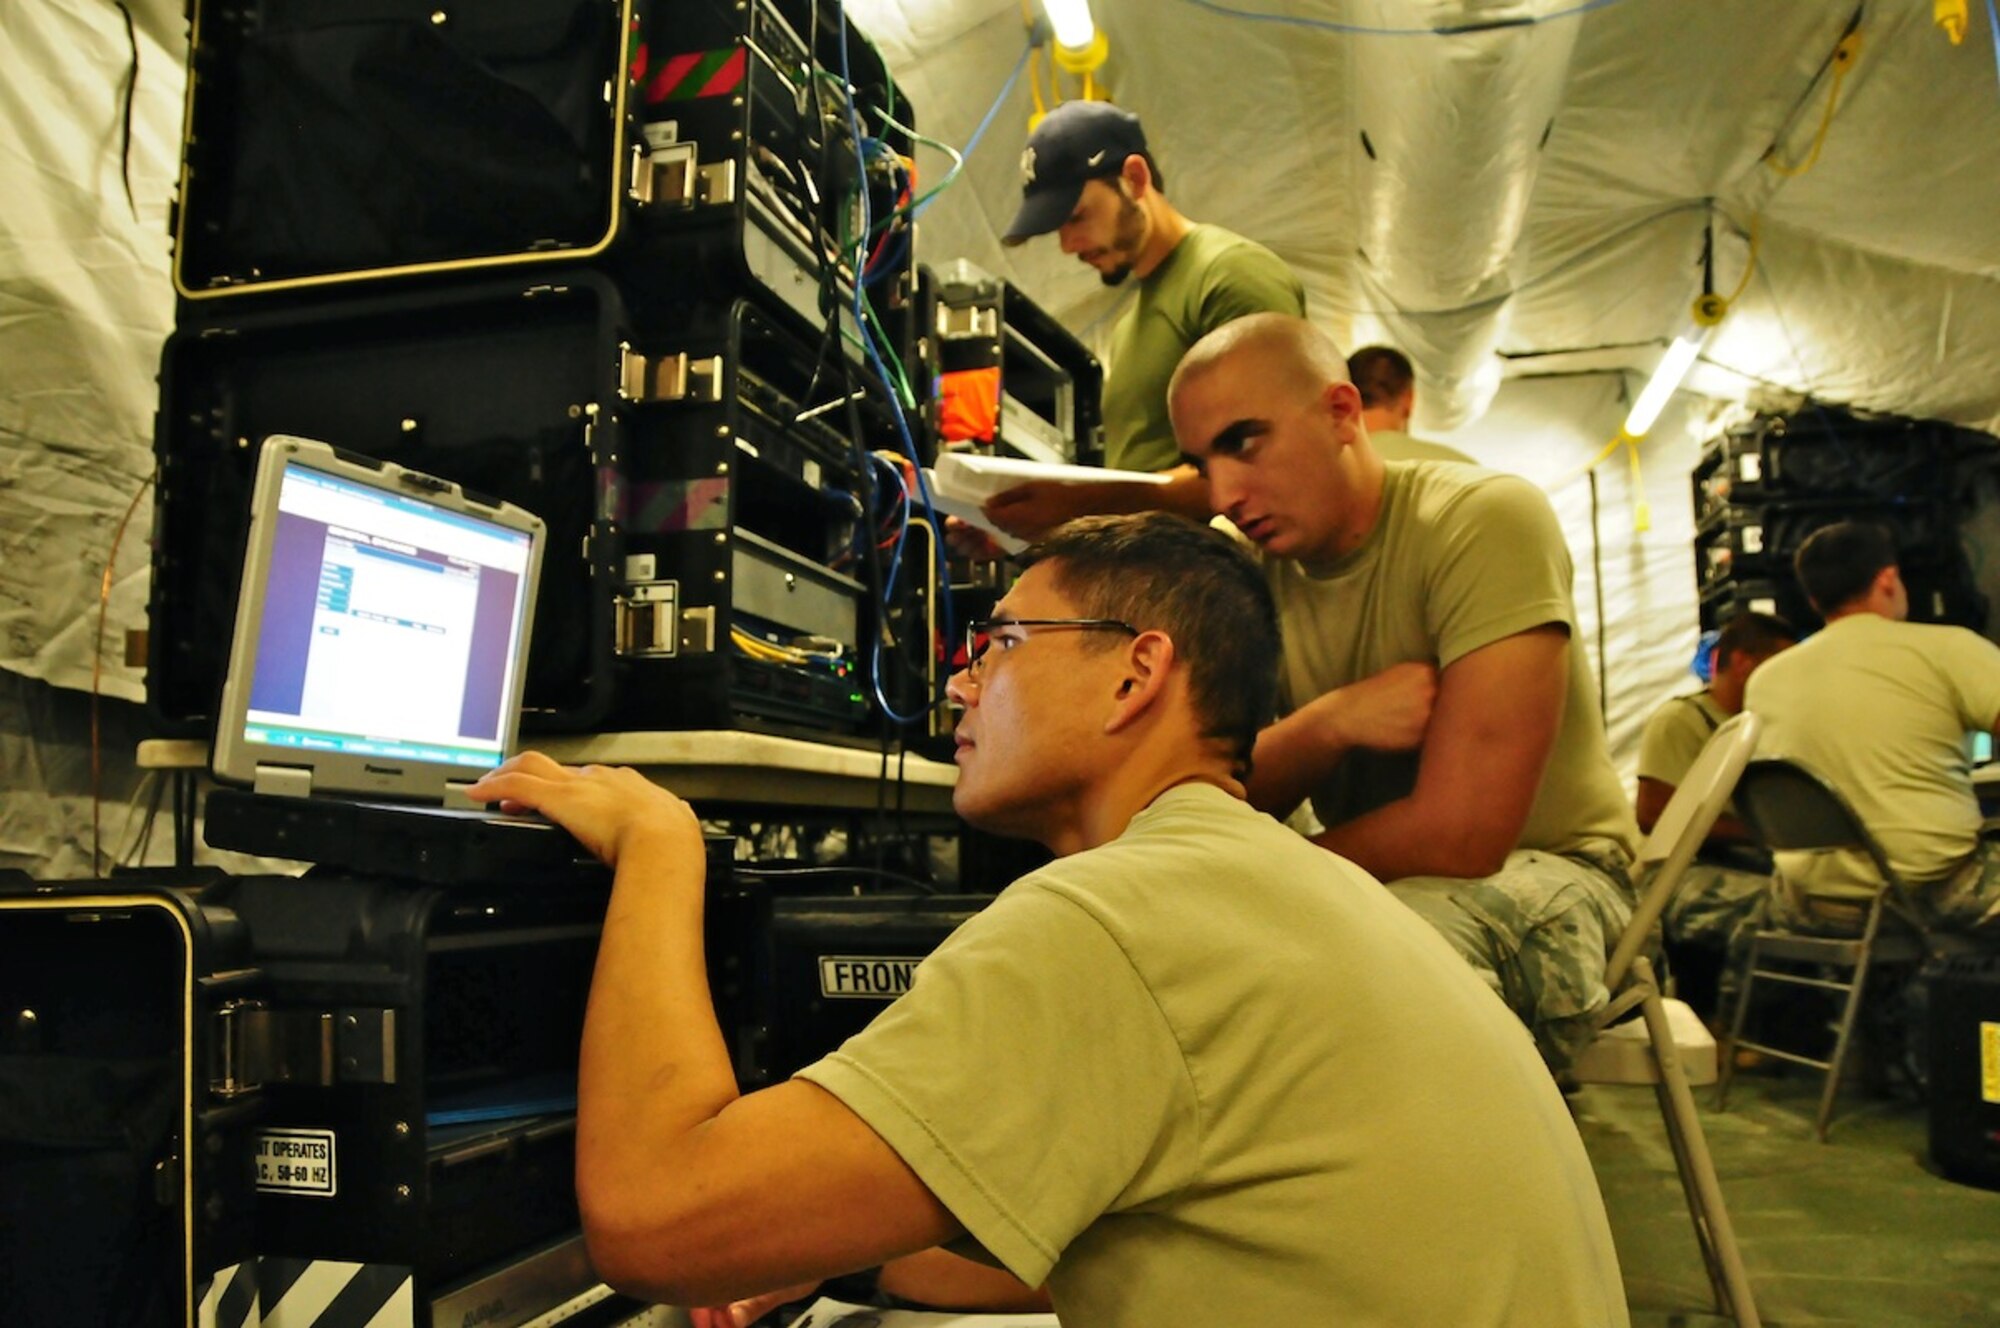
1479, 245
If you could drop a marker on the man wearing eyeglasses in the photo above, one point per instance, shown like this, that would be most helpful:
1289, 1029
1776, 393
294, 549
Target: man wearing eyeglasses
1440, 711
1194, 1070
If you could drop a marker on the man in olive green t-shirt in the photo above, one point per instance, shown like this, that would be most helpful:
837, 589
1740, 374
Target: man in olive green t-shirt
1880, 707
1194, 1070
1439, 709
1091, 180
1726, 885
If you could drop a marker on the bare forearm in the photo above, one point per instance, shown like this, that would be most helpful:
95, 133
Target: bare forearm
1404, 838
1293, 756
944, 1280
1184, 493
654, 1064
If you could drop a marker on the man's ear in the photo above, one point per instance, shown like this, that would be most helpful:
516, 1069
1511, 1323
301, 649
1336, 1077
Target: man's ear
1149, 663
1342, 403
1136, 176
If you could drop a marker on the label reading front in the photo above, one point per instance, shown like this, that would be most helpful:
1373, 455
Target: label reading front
1989, 1062
296, 1162
865, 977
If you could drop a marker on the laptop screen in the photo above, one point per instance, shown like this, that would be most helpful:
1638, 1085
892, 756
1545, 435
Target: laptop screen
382, 628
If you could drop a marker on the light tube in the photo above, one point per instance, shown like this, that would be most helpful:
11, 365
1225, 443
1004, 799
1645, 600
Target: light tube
1071, 21
1673, 367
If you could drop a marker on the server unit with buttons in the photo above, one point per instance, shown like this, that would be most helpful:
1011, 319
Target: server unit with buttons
1762, 489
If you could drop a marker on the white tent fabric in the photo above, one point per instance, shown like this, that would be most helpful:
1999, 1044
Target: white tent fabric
1517, 192
84, 306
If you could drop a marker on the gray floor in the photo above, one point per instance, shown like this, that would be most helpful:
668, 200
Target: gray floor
1858, 1230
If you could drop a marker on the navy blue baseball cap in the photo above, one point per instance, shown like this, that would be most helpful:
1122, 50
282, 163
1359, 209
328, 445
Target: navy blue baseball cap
1077, 142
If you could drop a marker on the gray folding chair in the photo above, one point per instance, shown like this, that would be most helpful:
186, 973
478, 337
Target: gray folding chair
1790, 807
1667, 1046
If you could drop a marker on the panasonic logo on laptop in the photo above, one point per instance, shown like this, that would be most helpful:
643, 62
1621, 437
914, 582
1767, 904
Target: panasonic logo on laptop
382, 769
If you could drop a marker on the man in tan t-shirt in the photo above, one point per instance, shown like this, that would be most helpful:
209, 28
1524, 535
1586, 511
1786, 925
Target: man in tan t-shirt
1724, 889
1194, 1070
1881, 707
1439, 708
1388, 386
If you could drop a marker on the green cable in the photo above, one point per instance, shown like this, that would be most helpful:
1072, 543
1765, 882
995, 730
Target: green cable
957, 165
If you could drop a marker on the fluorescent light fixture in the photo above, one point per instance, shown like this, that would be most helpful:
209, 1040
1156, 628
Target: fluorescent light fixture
1071, 21
1673, 367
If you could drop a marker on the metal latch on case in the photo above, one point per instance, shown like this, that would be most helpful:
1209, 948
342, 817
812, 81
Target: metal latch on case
673, 176
256, 1044
673, 377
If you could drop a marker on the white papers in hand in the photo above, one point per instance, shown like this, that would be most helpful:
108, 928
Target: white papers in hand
828, 1313
963, 481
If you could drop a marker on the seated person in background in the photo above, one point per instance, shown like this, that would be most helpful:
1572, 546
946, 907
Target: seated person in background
1880, 708
1726, 884
1089, 177
1439, 707
1195, 1070
1388, 387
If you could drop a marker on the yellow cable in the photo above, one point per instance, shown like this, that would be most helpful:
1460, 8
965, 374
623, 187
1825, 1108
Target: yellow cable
1598, 460
1951, 16
757, 648
1843, 60
1571, 476
1749, 262
1642, 511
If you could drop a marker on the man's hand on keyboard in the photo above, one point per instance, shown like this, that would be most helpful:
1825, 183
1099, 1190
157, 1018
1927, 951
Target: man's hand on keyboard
610, 809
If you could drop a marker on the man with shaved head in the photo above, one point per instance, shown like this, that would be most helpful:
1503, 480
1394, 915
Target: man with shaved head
1438, 707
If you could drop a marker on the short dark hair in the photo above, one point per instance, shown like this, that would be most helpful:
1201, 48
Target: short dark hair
1837, 563
1165, 573
1383, 373
1752, 633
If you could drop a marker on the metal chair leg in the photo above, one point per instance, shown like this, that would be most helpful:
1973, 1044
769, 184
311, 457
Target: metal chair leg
1713, 1231
1843, 1036
1727, 1051
1704, 1238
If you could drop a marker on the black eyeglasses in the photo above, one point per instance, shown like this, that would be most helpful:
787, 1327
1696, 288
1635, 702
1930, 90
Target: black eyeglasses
983, 634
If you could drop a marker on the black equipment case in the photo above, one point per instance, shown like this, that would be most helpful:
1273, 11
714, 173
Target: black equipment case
750, 165
1011, 377
510, 388
126, 1127
334, 141
424, 1043
799, 971
684, 495
1964, 1089
743, 542
688, 150
221, 1090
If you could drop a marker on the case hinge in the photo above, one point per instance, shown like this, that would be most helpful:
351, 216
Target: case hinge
698, 631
